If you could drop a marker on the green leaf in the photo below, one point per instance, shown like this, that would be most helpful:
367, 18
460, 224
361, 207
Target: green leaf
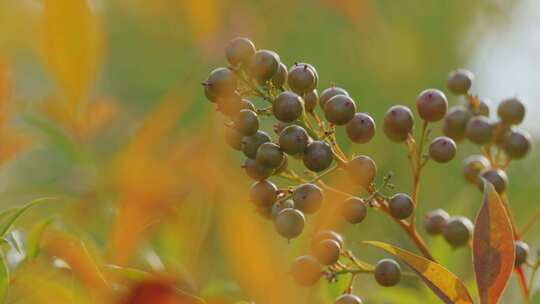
128, 273
4, 279
493, 247
446, 285
5, 227
34, 237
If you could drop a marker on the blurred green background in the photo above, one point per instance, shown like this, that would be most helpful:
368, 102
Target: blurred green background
383, 52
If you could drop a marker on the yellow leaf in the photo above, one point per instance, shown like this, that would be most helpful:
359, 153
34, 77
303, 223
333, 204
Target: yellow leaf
72, 45
493, 247
440, 280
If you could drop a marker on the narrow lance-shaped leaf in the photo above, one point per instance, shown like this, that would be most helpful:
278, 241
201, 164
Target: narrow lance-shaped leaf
4, 279
493, 247
446, 285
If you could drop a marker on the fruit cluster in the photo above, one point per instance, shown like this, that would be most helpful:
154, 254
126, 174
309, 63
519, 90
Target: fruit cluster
305, 131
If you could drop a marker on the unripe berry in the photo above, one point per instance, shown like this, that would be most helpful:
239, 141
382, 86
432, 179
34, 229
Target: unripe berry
239, 50
288, 107
327, 94
361, 128
458, 231
455, 122
442, 149
479, 130
308, 198
459, 81
279, 206
472, 166
250, 144
340, 109
289, 223
256, 171
387, 272
435, 221
301, 79
354, 210
362, 170
317, 156
511, 111
522, 251
516, 144
263, 193
279, 79
400, 206
327, 252
431, 105
310, 101
269, 155
322, 235
233, 138
306, 270
293, 139
348, 299
496, 177
247, 122
263, 65
398, 123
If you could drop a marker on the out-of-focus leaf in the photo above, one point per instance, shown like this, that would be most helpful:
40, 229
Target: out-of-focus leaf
126, 273
493, 247
4, 279
446, 285
34, 237
4, 228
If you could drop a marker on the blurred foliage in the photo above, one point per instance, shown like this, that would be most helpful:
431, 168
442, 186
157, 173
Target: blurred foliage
101, 108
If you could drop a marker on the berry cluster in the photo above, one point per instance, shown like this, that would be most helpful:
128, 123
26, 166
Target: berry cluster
305, 131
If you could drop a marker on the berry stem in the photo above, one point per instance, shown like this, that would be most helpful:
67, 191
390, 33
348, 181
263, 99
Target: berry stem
417, 171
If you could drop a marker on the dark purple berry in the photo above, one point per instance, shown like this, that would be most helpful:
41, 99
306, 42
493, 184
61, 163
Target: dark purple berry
472, 166
348, 299
301, 79
263, 193
361, 128
279, 206
289, 223
288, 107
322, 235
222, 82
459, 81
308, 198
263, 65
398, 123
522, 251
310, 100
256, 171
279, 79
387, 272
317, 156
362, 170
306, 270
496, 177
354, 210
511, 111
247, 122
516, 144
327, 94
435, 221
327, 252
442, 149
455, 122
431, 105
479, 130
340, 109
269, 155
400, 206
239, 51
458, 231
250, 144
293, 139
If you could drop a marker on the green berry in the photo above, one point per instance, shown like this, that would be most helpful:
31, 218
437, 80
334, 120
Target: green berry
455, 122
247, 122
458, 231
308, 198
279, 79
496, 177
310, 100
387, 272
322, 235
317, 156
459, 81
263, 193
256, 171
293, 139
362, 170
233, 138
301, 79
435, 221
263, 65
361, 128
239, 51
479, 130
306, 270
288, 107
442, 149
398, 123
327, 94
269, 155
221, 82
289, 223
511, 111
431, 105
250, 144
400, 206
348, 299
354, 210
472, 166
340, 109
522, 251
516, 144
279, 206
327, 252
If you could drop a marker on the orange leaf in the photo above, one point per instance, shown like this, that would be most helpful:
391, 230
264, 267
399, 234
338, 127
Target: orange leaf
446, 285
493, 247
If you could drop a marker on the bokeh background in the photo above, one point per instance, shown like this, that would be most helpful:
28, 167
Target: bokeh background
102, 109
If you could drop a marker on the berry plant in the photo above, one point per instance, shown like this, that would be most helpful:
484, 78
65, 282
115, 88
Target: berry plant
257, 86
